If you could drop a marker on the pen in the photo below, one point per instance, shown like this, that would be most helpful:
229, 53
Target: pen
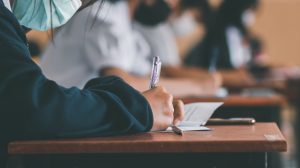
176, 130
155, 74
231, 121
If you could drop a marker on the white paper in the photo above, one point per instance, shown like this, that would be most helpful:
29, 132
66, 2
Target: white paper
196, 116
190, 128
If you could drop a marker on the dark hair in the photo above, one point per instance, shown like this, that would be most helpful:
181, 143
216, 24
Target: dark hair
230, 13
86, 3
213, 52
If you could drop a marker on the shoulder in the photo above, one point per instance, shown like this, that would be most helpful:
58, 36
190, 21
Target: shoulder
10, 30
12, 38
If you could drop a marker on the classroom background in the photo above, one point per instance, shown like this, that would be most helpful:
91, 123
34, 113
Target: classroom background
277, 24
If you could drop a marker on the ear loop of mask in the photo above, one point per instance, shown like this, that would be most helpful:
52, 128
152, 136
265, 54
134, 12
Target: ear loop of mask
51, 22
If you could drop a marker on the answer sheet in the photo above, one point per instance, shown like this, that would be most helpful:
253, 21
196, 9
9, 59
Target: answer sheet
196, 116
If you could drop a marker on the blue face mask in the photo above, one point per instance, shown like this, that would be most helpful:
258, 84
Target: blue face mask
44, 14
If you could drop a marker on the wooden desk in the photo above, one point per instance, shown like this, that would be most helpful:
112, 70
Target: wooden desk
221, 139
278, 85
224, 142
239, 100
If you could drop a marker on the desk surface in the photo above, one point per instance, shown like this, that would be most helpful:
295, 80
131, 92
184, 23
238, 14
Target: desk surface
261, 137
239, 100
278, 85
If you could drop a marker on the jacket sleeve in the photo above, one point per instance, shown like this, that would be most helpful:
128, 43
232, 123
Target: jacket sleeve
33, 107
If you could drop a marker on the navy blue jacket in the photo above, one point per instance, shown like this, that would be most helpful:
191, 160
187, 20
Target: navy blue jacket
33, 107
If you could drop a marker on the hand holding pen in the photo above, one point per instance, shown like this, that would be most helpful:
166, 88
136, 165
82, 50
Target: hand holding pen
177, 105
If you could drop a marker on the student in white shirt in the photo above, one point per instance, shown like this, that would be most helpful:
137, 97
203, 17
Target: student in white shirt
99, 40
96, 43
162, 40
156, 36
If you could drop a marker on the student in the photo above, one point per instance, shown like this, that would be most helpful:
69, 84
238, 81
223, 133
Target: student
106, 44
162, 41
189, 22
231, 35
33, 107
157, 32
182, 26
228, 44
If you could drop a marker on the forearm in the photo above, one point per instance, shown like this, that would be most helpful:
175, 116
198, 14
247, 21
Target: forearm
37, 108
183, 72
208, 82
178, 87
106, 106
237, 78
182, 87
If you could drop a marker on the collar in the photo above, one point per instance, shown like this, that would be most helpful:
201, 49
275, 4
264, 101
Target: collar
7, 4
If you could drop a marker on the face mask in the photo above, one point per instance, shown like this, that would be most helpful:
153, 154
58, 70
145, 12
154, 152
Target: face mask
248, 18
184, 25
152, 15
38, 14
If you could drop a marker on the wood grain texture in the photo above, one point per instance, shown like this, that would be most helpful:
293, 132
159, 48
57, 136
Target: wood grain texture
238, 100
261, 137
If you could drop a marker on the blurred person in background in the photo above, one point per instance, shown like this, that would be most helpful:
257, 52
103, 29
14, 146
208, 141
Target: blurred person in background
156, 31
232, 49
107, 44
189, 22
161, 37
228, 45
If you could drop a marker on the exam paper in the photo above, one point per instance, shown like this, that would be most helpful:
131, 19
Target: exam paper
196, 116
199, 113
195, 128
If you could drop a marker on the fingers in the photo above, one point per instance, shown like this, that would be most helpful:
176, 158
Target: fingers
168, 106
161, 103
167, 100
166, 110
178, 111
